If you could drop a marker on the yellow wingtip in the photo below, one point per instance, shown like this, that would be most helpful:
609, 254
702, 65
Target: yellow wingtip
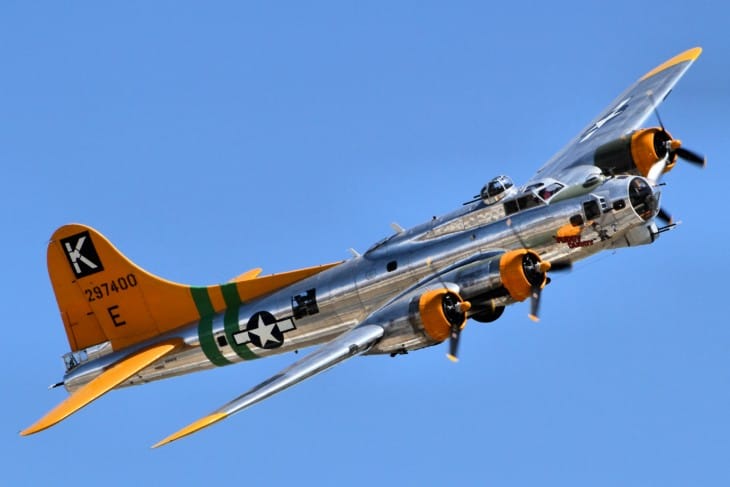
533, 318
192, 428
452, 357
105, 382
34, 428
688, 55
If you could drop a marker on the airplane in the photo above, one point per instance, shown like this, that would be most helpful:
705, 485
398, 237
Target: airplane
415, 288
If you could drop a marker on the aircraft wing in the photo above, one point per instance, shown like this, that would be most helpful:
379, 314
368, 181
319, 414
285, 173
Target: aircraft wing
349, 344
105, 382
626, 113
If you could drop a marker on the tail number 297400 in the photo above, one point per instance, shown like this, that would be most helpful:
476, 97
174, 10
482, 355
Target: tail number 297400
105, 289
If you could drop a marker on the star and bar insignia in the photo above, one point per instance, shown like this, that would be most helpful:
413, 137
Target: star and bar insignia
264, 331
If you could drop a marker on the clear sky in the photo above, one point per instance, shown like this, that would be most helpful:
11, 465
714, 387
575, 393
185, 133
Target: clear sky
208, 138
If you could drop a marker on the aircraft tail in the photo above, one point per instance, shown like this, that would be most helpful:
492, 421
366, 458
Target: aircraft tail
103, 296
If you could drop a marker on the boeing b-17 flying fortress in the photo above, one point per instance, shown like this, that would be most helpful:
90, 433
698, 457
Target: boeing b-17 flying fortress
416, 288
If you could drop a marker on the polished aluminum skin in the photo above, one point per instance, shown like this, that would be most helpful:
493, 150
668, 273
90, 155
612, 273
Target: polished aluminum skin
417, 287
459, 251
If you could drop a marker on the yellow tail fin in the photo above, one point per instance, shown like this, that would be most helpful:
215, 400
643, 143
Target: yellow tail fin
103, 296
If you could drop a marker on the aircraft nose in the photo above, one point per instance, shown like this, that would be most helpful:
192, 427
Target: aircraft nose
644, 200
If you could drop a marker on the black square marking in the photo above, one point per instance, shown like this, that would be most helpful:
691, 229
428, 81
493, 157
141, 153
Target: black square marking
81, 254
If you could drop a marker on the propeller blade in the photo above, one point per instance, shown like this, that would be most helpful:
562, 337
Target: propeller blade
657, 169
454, 343
691, 157
664, 216
561, 265
656, 111
535, 303
536, 290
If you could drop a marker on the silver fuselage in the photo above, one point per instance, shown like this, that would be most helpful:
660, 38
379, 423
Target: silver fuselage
345, 295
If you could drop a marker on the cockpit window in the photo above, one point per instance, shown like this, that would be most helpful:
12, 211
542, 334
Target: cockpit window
549, 191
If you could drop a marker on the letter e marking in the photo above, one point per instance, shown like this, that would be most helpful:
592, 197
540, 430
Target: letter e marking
115, 316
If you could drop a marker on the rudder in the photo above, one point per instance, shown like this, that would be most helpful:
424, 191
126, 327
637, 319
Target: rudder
102, 295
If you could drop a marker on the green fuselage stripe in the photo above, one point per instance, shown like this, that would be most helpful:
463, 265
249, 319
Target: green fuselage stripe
230, 295
230, 320
205, 326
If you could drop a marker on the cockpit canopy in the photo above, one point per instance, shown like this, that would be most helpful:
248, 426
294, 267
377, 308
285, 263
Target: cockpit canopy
497, 189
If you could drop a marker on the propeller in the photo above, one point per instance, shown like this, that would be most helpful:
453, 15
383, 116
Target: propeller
455, 312
669, 148
452, 307
537, 280
690, 156
535, 269
664, 216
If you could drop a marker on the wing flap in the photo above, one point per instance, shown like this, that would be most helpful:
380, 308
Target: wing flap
348, 345
108, 380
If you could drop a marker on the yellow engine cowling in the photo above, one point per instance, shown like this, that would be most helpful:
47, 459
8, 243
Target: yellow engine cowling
520, 270
640, 149
439, 310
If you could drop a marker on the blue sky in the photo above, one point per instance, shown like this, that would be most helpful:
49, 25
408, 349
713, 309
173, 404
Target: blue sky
204, 140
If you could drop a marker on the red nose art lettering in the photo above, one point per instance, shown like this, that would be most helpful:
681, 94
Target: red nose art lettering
573, 241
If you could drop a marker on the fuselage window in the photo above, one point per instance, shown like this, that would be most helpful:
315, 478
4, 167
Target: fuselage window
528, 201
641, 198
511, 207
522, 203
591, 209
391, 266
576, 220
305, 304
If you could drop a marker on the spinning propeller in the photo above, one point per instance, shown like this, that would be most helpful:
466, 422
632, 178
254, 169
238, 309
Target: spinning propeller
669, 149
664, 216
457, 309
535, 270
454, 310
536, 291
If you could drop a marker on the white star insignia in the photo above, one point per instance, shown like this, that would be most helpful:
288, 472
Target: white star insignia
264, 332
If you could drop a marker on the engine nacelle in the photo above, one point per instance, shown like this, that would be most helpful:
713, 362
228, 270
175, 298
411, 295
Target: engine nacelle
439, 310
521, 270
640, 149
493, 282
485, 286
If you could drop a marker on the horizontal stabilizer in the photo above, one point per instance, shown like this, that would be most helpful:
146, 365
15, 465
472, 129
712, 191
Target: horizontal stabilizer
350, 344
248, 275
108, 380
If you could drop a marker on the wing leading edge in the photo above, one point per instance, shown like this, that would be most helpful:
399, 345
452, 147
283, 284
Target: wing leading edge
350, 344
108, 380
626, 113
